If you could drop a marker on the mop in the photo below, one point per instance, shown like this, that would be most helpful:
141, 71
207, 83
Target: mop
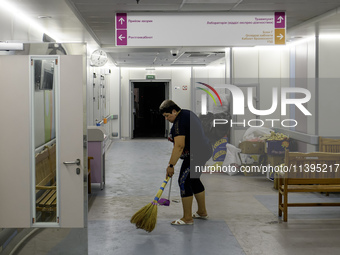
146, 217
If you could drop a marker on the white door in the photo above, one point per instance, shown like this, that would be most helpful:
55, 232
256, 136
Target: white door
71, 141
17, 182
15, 202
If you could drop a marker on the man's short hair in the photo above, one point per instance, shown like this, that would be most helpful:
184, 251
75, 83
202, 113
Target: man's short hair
167, 106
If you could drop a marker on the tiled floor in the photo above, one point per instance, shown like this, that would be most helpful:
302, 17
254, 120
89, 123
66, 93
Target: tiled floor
242, 210
243, 214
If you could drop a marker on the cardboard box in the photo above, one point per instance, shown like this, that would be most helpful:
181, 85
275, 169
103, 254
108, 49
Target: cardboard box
277, 147
275, 160
249, 147
253, 159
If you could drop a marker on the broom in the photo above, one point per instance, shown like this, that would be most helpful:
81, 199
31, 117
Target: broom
146, 217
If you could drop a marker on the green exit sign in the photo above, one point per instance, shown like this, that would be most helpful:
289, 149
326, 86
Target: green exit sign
150, 77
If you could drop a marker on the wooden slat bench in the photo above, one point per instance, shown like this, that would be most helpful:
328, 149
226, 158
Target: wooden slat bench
45, 179
329, 145
302, 179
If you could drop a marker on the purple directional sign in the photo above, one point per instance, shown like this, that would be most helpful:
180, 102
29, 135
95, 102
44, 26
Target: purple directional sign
280, 19
207, 29
121, 21
121, 37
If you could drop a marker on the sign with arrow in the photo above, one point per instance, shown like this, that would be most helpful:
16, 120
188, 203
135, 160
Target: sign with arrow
200, 29
121, 21
280, 35
280, 28
280, 20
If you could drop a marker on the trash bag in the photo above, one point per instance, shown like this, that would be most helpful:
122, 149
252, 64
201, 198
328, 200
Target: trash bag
232, 159
254, 133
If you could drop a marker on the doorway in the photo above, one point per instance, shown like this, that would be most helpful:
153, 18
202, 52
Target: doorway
147, 97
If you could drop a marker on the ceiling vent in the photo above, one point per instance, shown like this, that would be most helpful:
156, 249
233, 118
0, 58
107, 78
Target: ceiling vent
197, 54
198, 58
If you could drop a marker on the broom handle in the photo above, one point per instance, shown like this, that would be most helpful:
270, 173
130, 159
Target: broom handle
160, 191
170, 188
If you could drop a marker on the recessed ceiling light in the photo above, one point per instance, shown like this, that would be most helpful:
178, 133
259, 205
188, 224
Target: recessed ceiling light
44, 17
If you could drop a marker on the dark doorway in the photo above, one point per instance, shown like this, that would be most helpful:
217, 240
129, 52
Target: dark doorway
148, 122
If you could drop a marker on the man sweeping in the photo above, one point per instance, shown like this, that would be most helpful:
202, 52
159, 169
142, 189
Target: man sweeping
191, 145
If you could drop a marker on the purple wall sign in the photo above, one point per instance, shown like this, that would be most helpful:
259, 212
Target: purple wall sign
121, 37
280, 19
121, 21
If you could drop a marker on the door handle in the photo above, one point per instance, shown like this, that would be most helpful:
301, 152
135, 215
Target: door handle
77, 162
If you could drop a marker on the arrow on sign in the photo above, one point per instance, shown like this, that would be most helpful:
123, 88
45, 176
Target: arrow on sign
121, 37
280, 36
121, 20
279, 19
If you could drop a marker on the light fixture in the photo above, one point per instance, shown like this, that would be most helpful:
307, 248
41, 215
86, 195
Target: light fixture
11, 46
20, 14
44, 17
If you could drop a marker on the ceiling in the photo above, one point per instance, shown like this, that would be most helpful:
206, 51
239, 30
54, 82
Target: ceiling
94, 20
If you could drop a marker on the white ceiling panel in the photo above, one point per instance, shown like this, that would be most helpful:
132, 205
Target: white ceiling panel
89, 20
207, 7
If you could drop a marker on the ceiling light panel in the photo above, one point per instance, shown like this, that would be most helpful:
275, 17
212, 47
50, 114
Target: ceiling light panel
128, 2
211, 1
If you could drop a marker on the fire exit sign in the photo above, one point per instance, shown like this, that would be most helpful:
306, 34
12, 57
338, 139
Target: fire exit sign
150, 77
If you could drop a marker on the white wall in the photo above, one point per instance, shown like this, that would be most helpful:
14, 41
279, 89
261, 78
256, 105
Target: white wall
266, 66
329, 86
273, 71
306, 62
181, 77
311, 74
100, 107
245, 63
115, 101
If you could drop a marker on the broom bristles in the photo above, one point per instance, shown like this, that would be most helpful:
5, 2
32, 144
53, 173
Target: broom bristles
146, 217
140, 213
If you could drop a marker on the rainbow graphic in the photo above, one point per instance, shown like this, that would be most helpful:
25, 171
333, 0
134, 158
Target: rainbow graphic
209, 93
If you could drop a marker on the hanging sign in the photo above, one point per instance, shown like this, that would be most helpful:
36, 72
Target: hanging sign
200, 29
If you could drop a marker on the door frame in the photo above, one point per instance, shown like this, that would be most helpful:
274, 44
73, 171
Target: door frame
33, 149
168, 95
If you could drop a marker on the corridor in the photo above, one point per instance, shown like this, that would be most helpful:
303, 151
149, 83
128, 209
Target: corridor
242, 210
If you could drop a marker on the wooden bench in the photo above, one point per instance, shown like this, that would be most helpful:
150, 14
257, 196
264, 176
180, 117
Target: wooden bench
45, 179
329, 145
302, 177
